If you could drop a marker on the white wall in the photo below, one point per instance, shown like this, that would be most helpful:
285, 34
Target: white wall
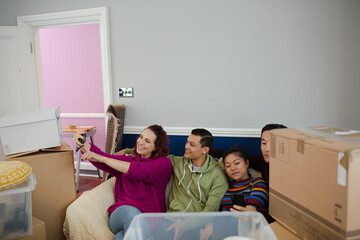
230, 63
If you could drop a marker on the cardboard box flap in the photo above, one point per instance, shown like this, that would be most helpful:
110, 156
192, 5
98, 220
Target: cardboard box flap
20, 154
327, 129
11, 119
319, 139
334, 130
62, 148
337, 132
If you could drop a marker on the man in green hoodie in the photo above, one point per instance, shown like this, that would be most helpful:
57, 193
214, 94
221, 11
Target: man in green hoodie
198, 183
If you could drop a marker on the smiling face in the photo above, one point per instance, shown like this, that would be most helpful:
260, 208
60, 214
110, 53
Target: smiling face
265, 145
236, 167
145, 144
193, 149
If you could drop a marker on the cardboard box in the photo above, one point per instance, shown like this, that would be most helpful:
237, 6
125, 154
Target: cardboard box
282, 233
38, 230
55, 189
314, 183
31, 130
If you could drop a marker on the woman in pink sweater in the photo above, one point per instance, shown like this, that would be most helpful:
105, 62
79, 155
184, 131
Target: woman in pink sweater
141, 179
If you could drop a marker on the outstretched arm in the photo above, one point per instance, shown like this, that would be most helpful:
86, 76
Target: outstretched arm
99, 159
118, 165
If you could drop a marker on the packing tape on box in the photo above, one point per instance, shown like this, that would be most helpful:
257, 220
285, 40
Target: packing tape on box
301, 143
343, 165
344, 160
301, 146
348, 157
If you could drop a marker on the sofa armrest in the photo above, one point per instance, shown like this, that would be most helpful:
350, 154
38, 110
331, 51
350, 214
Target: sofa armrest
87, 217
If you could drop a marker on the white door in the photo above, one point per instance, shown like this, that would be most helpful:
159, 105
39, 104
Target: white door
18, 85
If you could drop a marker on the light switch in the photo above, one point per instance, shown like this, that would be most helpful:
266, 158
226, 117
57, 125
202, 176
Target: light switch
126, 92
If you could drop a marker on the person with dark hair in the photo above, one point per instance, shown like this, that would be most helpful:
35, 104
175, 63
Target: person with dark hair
199, 182
261, 164
198, 185
265, 150
245, 193
141, 178
254, 191
265, 139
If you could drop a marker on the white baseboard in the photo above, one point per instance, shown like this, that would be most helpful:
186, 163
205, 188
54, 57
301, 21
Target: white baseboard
216, 132
95, 175
86, 166
83, 115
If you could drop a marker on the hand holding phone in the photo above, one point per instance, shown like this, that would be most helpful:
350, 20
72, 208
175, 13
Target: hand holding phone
81, 140
238, 199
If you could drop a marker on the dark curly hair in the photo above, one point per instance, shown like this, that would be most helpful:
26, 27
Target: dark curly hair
161, 142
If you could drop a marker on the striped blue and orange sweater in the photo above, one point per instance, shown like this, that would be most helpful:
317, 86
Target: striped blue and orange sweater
255, 191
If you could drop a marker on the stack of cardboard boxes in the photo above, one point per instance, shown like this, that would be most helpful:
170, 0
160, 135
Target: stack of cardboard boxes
55, 189
37, 139
314, 182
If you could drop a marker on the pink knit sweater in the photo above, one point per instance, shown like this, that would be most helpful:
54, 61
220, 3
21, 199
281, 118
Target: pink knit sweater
143, 186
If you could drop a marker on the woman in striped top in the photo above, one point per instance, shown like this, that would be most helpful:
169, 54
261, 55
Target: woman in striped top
254, 190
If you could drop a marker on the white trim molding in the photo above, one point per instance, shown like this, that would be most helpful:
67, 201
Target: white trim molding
61, 19
83, 115
78, 17
216, 132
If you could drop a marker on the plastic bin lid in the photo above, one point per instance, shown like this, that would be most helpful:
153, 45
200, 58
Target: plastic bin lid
27, 186
17, 118
248, 225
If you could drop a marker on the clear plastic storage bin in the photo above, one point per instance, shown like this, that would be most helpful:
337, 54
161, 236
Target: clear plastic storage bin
16, 210
225, 225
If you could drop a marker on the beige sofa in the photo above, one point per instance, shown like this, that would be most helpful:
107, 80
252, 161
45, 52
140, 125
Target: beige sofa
87, 217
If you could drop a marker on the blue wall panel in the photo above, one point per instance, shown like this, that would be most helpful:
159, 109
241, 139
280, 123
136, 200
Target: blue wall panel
177, 143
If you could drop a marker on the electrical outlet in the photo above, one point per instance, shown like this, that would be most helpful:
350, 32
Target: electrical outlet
126, 92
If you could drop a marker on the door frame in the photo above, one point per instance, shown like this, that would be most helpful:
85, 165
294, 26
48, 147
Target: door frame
71, 18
